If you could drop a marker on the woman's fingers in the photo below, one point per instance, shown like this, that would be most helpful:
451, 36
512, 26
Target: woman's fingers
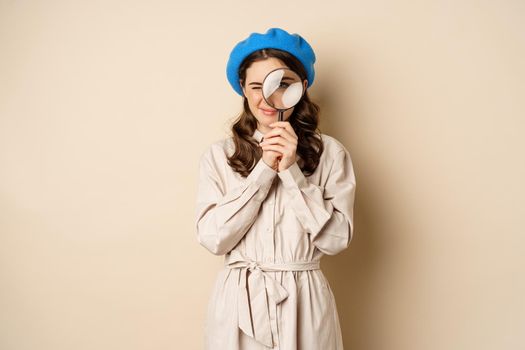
276, 148
283, 129
280, 139
286, 126
280, 134
275, 140
278, 131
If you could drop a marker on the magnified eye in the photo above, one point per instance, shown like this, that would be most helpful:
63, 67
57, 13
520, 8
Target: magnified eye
282, 89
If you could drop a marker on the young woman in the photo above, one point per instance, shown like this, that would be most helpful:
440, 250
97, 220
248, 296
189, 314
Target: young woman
274, 198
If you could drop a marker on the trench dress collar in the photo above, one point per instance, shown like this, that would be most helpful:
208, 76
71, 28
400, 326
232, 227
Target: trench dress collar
258, 135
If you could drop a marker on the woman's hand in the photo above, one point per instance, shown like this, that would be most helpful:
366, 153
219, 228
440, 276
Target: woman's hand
271, 158
280, 146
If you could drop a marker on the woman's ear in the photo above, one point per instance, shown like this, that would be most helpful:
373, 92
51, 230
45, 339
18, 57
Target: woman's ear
305, 84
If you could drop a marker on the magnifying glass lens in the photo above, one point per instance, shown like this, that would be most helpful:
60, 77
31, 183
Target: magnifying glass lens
282, 88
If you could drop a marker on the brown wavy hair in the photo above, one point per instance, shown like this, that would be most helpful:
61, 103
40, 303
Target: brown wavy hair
304, 120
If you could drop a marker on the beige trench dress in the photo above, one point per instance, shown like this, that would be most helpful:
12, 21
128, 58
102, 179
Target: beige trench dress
273, 228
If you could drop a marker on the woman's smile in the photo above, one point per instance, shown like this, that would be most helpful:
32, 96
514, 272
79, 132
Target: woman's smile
268, 112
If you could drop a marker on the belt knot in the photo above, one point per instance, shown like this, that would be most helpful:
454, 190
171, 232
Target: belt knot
253, 265
256, 289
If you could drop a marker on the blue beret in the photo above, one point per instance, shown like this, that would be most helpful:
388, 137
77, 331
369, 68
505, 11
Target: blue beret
274, 38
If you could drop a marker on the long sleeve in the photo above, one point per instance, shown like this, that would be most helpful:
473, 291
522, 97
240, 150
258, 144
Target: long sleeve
326, 214
223, 217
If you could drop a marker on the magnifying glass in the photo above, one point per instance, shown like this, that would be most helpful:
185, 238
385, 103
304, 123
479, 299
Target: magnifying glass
282, 89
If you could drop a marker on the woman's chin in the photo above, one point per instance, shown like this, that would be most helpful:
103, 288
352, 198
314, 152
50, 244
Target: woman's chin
268, 119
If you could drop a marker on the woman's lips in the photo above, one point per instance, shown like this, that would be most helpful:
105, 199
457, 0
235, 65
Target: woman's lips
268, 111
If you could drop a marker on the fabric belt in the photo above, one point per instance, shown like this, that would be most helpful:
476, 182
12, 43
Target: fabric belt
257, 288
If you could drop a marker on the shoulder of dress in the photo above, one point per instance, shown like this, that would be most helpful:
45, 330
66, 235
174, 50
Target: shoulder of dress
332, 145
218, 149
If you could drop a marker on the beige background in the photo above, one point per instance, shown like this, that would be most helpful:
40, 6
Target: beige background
105, 107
